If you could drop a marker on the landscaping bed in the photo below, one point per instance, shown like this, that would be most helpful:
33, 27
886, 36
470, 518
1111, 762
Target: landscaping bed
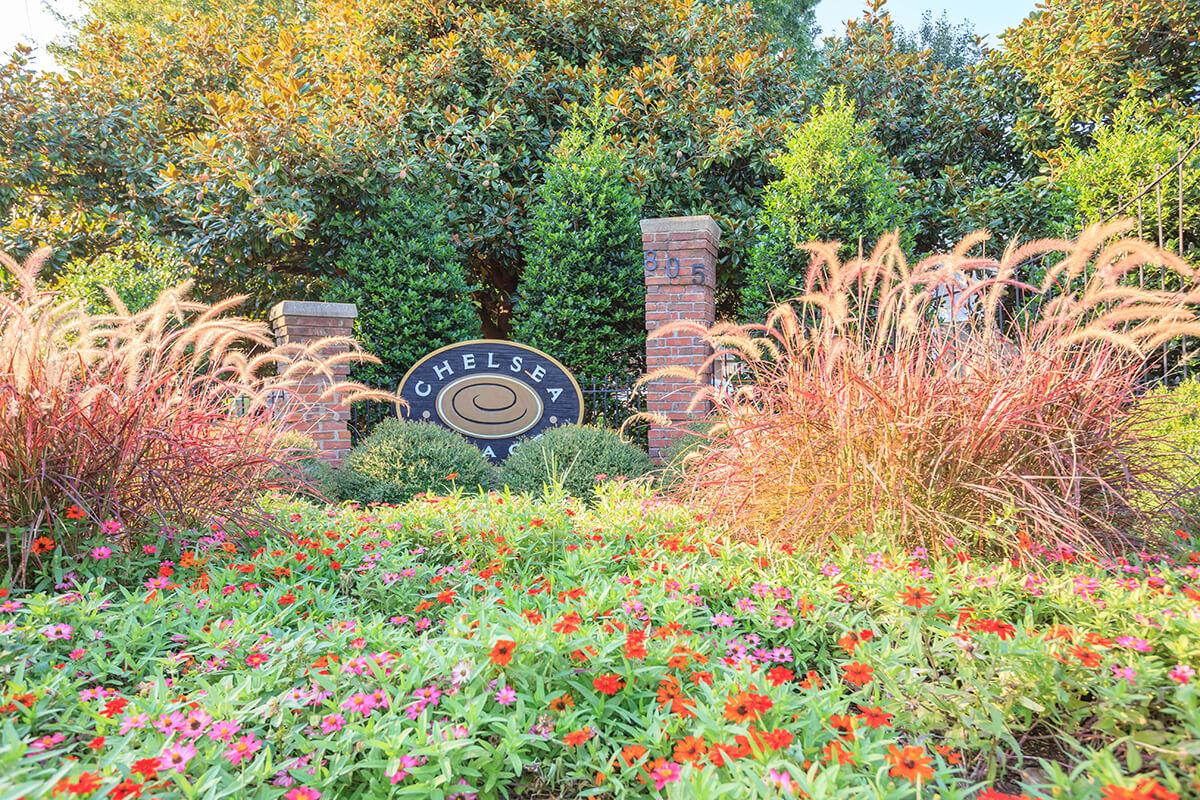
503, 646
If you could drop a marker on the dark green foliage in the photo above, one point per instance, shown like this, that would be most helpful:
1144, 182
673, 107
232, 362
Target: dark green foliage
401, 459
401, 269
572, 455
581, 297
837, 184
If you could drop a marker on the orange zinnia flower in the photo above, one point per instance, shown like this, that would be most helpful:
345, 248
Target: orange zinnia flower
690, 749
857, 673
502, 652
910, 763
576, 738
562, 703
916, 596
630, 753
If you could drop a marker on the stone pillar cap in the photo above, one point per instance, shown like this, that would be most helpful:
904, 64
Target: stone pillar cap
702, 224
309, 308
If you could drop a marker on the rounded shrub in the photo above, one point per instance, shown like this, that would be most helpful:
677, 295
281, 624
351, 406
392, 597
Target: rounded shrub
401, 459
572, 456
836, 184
136, 272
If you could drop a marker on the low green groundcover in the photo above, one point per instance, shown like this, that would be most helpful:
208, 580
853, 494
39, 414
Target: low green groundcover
502, 646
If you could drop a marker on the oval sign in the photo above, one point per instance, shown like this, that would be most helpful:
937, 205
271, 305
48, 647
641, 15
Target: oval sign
491, 391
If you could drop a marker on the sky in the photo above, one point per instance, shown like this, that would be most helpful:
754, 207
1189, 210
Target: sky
989, 17
34, 21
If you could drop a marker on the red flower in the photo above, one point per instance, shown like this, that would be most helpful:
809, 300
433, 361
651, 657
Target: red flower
875, 717
257, 659
1147, 789
87, 783
916, 597
910, 763
576, 738
779, 675
857, 673
568, 623
502, 652
126, 789
114, 707
608, 684
836, 751
147, 768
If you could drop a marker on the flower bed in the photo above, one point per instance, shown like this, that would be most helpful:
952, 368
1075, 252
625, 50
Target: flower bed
503, 646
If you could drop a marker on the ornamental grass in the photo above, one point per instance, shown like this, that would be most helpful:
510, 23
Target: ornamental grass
137, 420
944, 399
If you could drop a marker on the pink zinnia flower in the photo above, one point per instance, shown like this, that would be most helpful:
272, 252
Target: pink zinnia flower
1181, 673
664, 773
506, 696
302, 793
101, 553
245, 747
224, 730
111, 527
177, 756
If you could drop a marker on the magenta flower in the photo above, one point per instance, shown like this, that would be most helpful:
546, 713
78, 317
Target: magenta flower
667, 772
245, 747
224, 730
177, 756
506, 696
1181, 674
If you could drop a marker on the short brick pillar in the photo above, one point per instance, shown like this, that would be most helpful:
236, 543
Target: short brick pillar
327, 421
680, 266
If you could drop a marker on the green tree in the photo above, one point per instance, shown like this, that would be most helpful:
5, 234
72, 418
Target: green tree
962, 125
837, 184
401, 269
581, 296
1086, 56
1126, 154
136, 272
239, 134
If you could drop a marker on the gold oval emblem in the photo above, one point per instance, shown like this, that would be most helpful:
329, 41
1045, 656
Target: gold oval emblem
489, 406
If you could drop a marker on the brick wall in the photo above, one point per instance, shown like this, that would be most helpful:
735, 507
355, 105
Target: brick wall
326, 421
680, 261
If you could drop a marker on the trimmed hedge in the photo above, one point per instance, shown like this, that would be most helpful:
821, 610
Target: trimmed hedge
572, 455
402, 270
582, 296
401, 459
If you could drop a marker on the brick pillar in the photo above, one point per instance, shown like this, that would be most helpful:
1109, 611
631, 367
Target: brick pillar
328, 422
680, 260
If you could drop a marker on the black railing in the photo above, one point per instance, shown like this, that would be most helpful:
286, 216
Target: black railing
607, 402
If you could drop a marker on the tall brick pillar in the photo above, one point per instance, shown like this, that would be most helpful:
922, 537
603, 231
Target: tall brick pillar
680, 264
327, 421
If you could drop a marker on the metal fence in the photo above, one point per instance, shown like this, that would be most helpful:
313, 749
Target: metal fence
1160, 207
608, 402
